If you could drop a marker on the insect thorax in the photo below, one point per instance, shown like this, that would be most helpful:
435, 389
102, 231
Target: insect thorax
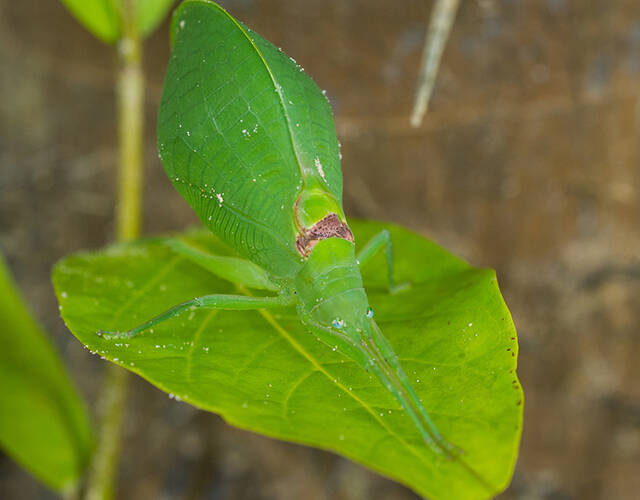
318, 216
329, 286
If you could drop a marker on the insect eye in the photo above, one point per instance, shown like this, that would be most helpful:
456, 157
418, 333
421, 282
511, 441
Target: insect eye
369, 313
337, 323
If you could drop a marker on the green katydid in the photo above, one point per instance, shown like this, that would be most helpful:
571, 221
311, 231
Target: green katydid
278, 206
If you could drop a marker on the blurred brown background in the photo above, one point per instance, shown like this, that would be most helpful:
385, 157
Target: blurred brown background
528, 162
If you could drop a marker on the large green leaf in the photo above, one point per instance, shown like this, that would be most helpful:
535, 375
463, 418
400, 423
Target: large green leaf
102, 17
262, 371
43, 423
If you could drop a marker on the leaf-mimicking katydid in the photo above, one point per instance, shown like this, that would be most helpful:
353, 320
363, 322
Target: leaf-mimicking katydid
249, 141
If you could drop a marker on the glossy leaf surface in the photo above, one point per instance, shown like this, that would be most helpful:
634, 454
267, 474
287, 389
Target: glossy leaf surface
262, 371
43, 423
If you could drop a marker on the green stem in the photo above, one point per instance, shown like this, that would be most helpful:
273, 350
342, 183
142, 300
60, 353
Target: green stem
130, 127
442, 17
102, 475
130, 96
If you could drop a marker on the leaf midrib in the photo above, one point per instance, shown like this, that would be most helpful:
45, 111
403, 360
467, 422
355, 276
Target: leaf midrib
318, 367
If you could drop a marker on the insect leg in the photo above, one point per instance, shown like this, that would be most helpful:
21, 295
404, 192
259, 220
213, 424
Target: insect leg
233, 269
382, 350
382, 239
229, 302
373, 359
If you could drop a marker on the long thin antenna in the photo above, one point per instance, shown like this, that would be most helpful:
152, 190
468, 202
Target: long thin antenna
442, 16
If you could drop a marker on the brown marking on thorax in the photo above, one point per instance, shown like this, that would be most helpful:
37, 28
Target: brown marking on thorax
329, 227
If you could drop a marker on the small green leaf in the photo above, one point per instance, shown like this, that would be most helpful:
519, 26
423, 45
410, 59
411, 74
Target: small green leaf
150, 13
102, 17
43, 423
264, 372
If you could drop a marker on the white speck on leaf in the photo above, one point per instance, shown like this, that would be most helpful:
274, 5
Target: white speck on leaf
318, 165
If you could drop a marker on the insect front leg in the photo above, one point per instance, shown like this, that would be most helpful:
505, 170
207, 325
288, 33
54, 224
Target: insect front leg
377, 344
371, 351
228, 302
380, 240
233, 269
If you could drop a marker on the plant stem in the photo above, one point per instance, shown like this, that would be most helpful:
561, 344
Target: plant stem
130, 96
102, 474
130, 127
442, 16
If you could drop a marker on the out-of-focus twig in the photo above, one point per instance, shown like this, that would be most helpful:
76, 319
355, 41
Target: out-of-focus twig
442, 16
130, 95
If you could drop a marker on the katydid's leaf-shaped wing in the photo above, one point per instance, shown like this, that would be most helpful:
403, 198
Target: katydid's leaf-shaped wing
240, 127
261, 370
43, 423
